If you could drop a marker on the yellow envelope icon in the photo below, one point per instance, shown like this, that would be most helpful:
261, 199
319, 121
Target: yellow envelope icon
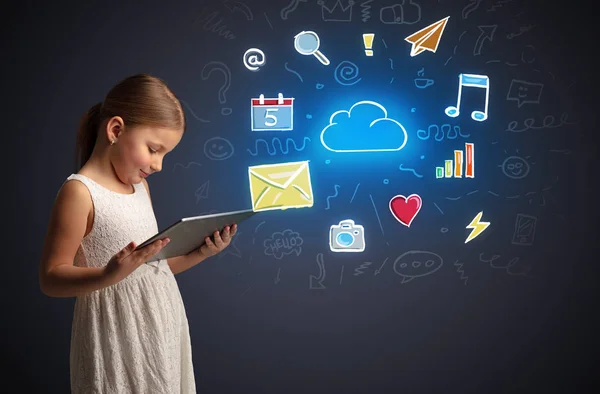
280, 186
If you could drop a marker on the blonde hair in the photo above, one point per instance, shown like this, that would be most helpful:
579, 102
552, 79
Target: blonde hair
141, 100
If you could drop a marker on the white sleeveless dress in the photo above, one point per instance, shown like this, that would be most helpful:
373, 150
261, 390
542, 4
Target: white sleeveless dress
131, 337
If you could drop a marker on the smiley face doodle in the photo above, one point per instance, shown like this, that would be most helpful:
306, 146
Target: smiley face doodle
417, 263
515, 167
218, 148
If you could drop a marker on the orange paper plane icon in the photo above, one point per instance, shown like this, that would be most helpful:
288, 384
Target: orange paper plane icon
427, 38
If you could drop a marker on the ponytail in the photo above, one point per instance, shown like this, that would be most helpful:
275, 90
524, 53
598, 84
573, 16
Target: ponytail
86, 135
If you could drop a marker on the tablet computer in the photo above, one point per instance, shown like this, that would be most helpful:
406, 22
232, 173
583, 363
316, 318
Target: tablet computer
188, 234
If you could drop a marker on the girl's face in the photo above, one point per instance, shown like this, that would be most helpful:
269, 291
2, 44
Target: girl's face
139, 151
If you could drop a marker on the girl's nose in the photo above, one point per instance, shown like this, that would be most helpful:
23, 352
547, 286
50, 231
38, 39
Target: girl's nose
156, 167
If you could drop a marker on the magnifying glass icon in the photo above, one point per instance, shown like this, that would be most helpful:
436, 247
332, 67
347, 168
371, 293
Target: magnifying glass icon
307, 43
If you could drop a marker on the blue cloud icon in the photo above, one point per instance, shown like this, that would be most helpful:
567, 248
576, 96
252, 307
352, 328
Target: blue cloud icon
365, 127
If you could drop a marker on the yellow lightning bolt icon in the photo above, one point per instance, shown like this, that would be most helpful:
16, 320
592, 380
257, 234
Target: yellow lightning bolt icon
477, 226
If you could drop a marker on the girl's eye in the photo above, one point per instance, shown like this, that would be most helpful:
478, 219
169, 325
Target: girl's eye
151, 150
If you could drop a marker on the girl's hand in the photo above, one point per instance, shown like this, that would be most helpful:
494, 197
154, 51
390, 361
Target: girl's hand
221, 241
128, 259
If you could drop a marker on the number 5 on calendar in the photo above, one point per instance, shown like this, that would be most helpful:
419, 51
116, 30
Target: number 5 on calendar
275, 114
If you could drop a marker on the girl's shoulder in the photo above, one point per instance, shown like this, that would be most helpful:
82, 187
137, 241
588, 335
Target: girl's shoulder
69, 222
74, 193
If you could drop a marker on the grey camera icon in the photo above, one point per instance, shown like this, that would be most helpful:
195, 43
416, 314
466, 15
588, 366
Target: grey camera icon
347, 237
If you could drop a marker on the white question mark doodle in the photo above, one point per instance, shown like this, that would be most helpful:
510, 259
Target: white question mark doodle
222, 67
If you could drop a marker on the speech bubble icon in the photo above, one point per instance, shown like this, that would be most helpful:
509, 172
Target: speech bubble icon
417, 263
283, 243
524, 92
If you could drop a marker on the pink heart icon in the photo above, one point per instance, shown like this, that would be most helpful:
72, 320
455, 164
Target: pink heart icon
405, 209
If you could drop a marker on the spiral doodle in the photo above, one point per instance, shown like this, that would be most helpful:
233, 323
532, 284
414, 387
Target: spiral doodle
346, 73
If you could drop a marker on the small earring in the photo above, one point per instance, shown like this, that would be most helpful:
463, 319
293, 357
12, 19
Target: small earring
112, 142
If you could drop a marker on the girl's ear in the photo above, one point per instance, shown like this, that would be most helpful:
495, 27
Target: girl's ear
114, 127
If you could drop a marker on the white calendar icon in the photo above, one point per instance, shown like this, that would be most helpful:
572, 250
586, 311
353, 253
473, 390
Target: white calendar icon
272, 113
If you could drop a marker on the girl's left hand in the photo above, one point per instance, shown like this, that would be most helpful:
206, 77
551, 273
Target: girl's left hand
221, 241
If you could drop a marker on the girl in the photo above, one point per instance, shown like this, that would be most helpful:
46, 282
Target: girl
130, 331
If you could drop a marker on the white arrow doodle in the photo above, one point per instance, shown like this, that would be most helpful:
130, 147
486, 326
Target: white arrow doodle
316, 282
487, 33
378, 270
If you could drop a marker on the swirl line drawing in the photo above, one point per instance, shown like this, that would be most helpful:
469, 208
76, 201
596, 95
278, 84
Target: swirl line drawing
346, 73
445, 131
185, 166
334, 195
410, 170
293, 72
472, 6
193, 113
258, 226
272, 148
291, 7
459, 197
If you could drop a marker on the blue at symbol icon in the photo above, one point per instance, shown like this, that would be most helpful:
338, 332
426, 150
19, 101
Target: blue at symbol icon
347, 237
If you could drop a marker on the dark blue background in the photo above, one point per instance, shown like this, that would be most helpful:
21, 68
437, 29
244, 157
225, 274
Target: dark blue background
522, 323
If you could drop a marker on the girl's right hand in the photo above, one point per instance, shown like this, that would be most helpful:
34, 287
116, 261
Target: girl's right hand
128, 259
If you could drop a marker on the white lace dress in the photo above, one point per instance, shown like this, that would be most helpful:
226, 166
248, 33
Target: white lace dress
131, 337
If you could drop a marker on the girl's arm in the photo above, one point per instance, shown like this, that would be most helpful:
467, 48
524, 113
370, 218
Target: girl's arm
212, 246
182, 263
68, 223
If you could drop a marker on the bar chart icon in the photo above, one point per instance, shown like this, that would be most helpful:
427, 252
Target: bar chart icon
454, 168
